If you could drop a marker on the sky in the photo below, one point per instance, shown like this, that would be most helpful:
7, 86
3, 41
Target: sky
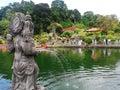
103, 7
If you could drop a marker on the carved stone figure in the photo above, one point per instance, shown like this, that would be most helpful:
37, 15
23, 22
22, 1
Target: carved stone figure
21, 43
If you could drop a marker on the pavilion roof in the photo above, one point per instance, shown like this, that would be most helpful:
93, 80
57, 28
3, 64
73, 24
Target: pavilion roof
69, 29
93, 30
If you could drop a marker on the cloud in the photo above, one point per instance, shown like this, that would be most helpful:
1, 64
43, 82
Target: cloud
42, 1
2, 4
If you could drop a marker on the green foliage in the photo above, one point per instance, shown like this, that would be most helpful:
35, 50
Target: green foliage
43, 40
117, 28
41, 17
3, 11
66, 24
93, 33
3, 26
77, 16
9, 14
74, 15
88, 40
5, 33
67, 34
59, 5
53, 19
109, 36
81, 34
110, 32
24, 7
55, 28
43, 35
101, 37
37, 38
79, 25
108, 22
59, 10
2, 41
87, 18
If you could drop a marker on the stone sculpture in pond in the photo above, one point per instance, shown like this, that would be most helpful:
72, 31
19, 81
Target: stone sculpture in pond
21, 43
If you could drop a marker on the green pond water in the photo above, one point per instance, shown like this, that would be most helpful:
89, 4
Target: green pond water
71, 69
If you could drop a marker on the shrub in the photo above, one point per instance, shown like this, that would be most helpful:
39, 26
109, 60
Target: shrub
66, 24
43, 40
100, 38
109, 36
67, 33
36, 37
2, 41
88, 40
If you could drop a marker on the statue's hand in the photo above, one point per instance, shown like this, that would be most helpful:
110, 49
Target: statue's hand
9, 37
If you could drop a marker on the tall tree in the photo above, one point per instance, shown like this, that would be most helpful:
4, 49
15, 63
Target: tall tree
3, 26
74, 15
41, 17
59, 9
59, 5
95, 20
77, 15
87, 18
108, 22
3, 11
24, 7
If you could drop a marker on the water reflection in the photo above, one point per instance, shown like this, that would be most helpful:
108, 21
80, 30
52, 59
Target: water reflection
71, 69
107, 52
80, 50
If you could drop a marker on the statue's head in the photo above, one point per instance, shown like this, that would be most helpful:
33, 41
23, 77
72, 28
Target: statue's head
28, 17
16, 23
9, 37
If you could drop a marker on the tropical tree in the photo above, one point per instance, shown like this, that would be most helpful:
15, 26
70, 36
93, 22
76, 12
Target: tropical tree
3, 11
117, 28
58, 5
59, 9
77, 16
109, 22
74, 15
55, 28
41, 17
8, 15
87, 18
67, 34
3, 26
95, 18
24, 7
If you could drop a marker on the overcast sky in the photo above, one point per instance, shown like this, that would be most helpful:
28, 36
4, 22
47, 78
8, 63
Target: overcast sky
103, 7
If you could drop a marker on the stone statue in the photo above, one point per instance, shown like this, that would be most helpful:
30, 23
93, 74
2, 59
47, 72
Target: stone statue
21, 43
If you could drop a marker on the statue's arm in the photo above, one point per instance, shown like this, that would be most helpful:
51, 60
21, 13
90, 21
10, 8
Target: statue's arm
10, 44
29, 49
